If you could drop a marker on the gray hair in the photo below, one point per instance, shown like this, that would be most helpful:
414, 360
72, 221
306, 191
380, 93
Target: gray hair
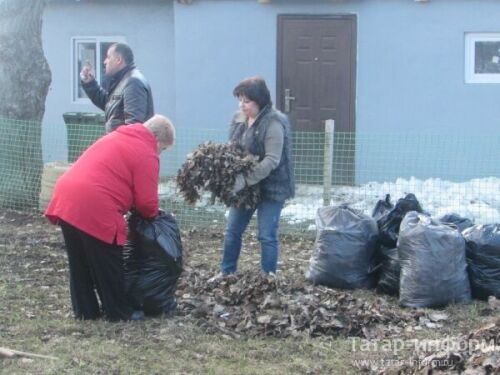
162, 128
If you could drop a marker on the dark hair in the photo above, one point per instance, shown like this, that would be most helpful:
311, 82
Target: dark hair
124, 51
255, 89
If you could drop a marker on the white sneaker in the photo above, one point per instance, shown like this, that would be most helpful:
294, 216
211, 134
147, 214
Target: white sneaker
220, 276
270, 276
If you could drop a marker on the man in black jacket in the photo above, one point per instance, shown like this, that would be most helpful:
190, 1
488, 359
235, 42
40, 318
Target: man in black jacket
128, 98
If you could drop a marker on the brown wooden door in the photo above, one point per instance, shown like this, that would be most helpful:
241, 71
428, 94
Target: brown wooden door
316, 81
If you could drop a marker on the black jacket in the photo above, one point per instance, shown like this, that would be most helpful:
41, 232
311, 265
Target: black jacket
129, 99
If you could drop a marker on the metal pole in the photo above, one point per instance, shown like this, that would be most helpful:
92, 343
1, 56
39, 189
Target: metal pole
328, 161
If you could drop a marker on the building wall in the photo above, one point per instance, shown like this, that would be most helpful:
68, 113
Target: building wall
410, 70
147, 27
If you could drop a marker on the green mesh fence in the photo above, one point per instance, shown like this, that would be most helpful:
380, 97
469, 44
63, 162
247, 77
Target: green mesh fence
20, 163
456, 172
309, 154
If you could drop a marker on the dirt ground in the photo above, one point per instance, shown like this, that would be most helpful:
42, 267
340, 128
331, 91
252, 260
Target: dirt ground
246, 309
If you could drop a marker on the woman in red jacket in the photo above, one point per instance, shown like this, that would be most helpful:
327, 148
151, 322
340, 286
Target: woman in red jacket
117, 173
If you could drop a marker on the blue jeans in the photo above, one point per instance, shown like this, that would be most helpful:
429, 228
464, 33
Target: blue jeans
268, 217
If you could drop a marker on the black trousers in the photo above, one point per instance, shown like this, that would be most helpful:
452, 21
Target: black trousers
95, 266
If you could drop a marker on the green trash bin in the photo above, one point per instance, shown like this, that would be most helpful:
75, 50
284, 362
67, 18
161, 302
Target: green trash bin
83, 129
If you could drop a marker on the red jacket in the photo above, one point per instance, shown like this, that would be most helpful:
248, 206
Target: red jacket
116, 173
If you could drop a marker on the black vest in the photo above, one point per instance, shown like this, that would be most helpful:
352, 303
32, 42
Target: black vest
280, 184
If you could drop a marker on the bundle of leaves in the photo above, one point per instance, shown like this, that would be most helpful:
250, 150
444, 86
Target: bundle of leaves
213, 167
250, 304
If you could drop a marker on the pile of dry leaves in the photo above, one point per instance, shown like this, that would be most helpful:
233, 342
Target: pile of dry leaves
252, 304
475, 353
213, 167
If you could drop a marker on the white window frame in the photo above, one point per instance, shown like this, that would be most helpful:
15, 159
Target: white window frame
74, 71
470, 58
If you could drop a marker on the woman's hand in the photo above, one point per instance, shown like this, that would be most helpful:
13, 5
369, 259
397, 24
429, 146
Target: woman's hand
239, 184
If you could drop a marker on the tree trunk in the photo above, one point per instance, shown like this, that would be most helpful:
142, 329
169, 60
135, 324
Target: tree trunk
24, 82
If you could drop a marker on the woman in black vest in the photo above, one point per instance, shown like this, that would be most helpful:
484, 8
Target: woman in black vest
265, 132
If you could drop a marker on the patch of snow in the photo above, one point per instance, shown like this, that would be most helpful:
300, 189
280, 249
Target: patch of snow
477, 199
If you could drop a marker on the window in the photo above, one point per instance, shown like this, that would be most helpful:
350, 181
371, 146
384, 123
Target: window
89, 50
482, 58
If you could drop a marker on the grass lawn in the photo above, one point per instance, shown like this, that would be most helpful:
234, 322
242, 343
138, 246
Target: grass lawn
36, 317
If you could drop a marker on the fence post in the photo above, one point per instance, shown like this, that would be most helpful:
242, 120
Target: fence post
328, 161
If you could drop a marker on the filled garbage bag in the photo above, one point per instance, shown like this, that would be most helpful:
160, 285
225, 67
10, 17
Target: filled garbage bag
453, 218
344, 249
389, 271
483, 258
382, 207
153, 263
389, 223
433, 265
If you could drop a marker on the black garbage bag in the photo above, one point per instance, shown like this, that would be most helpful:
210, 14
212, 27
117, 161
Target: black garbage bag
433, 265
389, 272
382, 207
453, 218
153, 263
483, 258
388, 224
344, 249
